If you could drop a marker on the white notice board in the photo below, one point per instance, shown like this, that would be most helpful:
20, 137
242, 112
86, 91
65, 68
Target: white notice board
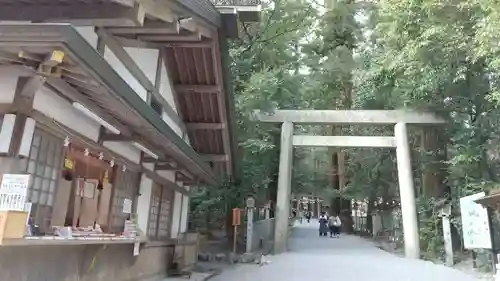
13, 192
475, 223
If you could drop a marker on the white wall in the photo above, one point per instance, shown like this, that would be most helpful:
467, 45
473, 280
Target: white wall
8, 84
147, 60
126, 149
176, 217
120, 68
89, 34
62, 111
184, 213
166, 88
56, 107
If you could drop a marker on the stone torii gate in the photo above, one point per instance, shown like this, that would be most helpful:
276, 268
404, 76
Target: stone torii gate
400, 118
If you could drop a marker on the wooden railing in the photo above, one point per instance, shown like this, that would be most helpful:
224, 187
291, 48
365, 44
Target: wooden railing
236, 2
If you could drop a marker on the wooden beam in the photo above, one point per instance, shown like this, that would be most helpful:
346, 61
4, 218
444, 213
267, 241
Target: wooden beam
28, 91
6, 108
344, 141
134, 43
163, 181
205, 126
166, 167
196, 37
20, 70
198, 88
109, 14
163, 160
115, 138
348, 117
158, 9
9, 57
148, 159
183, 176
215, 157
25, 56
82, 81
136, 71
149, 27
222, 104
204, 43
192, 25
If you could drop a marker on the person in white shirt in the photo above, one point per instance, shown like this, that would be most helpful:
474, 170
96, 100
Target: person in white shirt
334, 224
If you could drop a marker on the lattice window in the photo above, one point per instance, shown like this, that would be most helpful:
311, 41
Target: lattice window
160, 212
44, 164
164, 216
124, 187
154, 211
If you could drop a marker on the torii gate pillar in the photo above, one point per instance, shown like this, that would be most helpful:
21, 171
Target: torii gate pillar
407, 192
284, 189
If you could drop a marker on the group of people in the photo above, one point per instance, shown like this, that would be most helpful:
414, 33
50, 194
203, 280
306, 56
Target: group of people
330, 224
327, 223
302, 214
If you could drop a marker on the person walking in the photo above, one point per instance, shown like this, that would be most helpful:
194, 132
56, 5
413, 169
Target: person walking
334, 224
308, 216
323, 224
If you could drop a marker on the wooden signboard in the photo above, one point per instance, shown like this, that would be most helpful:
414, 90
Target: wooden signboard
236, 216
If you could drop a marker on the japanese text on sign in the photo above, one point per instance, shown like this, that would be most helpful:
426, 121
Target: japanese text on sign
13, 192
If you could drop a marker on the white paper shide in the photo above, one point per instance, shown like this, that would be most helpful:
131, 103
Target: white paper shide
14, 192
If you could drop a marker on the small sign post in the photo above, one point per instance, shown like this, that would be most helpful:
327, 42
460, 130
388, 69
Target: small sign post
250, 209
236, 223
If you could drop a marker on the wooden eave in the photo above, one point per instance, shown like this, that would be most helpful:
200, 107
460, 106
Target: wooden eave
85, 77
189, 35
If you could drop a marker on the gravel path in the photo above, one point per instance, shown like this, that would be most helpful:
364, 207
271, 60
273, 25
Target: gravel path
348, 258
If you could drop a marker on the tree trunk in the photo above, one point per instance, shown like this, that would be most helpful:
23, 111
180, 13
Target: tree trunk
433, 143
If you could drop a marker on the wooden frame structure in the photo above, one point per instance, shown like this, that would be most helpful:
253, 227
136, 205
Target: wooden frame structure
399, 141
190, 36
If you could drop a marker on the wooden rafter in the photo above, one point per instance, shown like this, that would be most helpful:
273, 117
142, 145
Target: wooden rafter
221, 100
136, 71
195, 37
149, 27
110, 14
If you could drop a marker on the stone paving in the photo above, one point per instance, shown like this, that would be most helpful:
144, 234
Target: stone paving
347, 258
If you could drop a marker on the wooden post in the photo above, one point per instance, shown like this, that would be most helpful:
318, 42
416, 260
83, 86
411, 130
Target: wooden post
494, 258
236, 223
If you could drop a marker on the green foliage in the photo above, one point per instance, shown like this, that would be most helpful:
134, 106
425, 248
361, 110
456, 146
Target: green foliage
432, 55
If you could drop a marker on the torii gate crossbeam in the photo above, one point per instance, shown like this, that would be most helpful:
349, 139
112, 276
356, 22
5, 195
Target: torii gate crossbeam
399, 141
